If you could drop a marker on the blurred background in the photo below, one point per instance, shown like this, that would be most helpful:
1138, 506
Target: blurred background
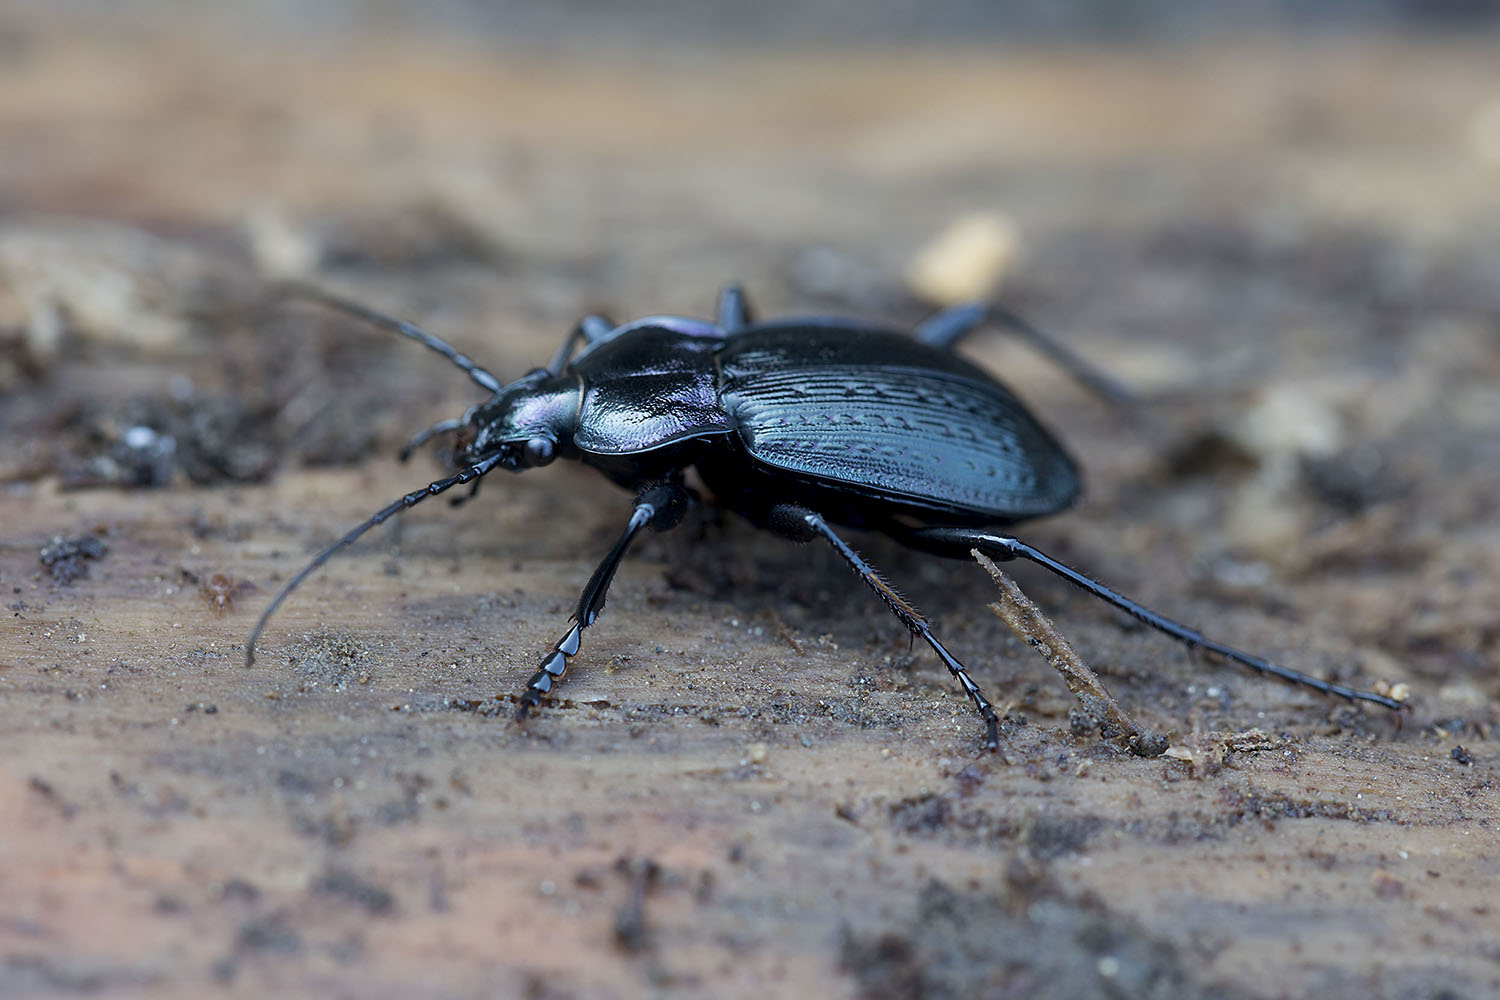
1278, 222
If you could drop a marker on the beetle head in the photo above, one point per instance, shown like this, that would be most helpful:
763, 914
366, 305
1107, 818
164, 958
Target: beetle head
527, 423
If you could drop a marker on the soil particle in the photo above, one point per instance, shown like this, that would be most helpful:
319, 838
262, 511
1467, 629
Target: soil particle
327, 661
67, 559
1243, 804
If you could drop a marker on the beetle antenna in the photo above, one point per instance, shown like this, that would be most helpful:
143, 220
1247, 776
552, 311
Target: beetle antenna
411, 499
296, 290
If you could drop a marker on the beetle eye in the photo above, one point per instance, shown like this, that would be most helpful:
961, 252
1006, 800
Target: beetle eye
539, 451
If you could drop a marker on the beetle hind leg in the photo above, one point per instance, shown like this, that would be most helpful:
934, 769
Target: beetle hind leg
958, 542
803, 525
660, 507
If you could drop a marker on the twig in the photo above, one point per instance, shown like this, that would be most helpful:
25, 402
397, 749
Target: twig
1098, 708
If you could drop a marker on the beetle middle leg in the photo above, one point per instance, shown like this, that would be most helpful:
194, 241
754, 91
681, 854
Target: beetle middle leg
957, 542
659, 506
801, 524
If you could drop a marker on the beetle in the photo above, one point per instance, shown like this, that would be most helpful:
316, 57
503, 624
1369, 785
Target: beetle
803, 426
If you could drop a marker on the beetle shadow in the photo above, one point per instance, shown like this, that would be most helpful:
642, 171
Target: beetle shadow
810, 590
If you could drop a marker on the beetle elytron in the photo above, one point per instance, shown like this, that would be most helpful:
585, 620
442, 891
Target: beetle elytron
796, 424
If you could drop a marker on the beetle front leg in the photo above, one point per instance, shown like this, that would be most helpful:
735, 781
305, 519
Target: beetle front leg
659, 506
422, 437
802, 525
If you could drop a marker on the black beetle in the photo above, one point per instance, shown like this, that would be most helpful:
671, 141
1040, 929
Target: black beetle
796, 424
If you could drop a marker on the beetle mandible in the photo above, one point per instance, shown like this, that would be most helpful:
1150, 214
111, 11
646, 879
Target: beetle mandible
797, 424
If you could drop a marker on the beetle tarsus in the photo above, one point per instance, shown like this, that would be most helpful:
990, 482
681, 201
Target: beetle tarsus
554, 665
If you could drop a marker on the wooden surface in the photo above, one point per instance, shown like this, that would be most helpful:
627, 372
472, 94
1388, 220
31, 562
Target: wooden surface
750, 785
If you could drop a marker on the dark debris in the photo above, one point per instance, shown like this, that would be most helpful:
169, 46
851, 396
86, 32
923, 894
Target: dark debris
1028, 939
149, 441
271, 933
67, 558
348, 887
630, 920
